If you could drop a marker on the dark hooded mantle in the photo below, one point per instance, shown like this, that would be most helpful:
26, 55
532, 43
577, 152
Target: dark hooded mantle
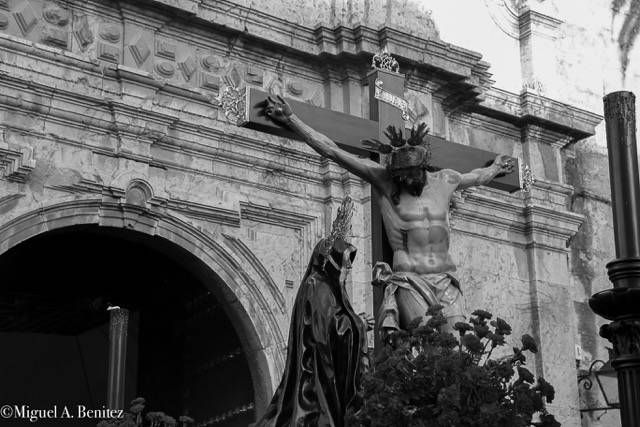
327, 349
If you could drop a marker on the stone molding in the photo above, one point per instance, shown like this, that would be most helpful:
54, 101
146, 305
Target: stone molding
242, 138
308, 226
97, 117
546, 226
451, 64
537, 133
532, 22
209, 213
455, 65
265, 338
243, 250
16, 164
531, 108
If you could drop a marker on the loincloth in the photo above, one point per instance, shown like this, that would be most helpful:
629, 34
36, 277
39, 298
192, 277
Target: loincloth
409, 295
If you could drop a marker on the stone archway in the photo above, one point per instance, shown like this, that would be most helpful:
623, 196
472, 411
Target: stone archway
246, 302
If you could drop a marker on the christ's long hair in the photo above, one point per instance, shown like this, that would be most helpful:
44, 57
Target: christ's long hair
412, 180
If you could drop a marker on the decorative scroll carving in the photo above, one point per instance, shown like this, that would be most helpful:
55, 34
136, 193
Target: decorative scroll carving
624, 335
232, 101
384, 61
398, 102
527, 179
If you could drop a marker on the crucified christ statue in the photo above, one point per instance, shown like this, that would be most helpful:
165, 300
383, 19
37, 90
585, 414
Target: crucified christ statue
414, 201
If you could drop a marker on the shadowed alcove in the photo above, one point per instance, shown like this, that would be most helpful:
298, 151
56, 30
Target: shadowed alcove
183, 354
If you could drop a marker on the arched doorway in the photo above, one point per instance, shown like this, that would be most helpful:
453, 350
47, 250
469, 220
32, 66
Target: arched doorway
184, 354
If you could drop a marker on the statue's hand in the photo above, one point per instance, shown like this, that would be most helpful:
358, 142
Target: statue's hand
381, 273
277, 109
504, 164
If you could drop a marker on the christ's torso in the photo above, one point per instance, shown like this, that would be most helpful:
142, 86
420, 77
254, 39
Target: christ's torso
418, 227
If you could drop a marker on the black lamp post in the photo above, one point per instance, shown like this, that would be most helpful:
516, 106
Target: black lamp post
621, 304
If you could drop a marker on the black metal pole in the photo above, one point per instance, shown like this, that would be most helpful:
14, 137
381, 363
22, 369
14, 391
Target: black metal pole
621, 304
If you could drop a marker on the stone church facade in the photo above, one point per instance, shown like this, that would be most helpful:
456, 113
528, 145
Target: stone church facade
111, 118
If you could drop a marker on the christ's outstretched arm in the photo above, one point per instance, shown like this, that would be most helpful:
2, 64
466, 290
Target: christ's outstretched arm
280, 112
503, 164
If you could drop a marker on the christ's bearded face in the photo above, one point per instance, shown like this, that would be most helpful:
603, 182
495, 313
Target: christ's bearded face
412, 180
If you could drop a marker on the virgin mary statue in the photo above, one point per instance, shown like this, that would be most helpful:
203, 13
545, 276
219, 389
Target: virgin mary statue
327, 349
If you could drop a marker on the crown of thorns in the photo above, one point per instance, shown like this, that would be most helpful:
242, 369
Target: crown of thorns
415, 150
416, 138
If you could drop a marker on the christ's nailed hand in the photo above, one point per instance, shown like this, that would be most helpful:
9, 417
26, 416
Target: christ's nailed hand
277, 110
504, 164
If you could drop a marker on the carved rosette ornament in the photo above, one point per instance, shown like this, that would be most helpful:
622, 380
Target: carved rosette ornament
233, 104
384, 61
527, 179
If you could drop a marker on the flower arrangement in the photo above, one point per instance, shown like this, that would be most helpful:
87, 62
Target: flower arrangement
426, 377
134, 418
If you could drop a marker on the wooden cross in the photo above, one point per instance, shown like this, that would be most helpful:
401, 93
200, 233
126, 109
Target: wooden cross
348, 131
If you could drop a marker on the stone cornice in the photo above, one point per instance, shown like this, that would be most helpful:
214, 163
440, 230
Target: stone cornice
214, 214
442, 60
187, 136
534, 132
463, 68
548, 225
544, 221
16, 164
464, 77
530, 108
275, 216
532, 22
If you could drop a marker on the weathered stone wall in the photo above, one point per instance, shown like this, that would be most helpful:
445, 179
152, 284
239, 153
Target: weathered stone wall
109, 116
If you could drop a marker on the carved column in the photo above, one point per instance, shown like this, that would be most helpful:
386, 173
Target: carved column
118, 325
622, 303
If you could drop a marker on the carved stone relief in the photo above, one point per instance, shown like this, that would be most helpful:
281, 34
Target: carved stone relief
83, 32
